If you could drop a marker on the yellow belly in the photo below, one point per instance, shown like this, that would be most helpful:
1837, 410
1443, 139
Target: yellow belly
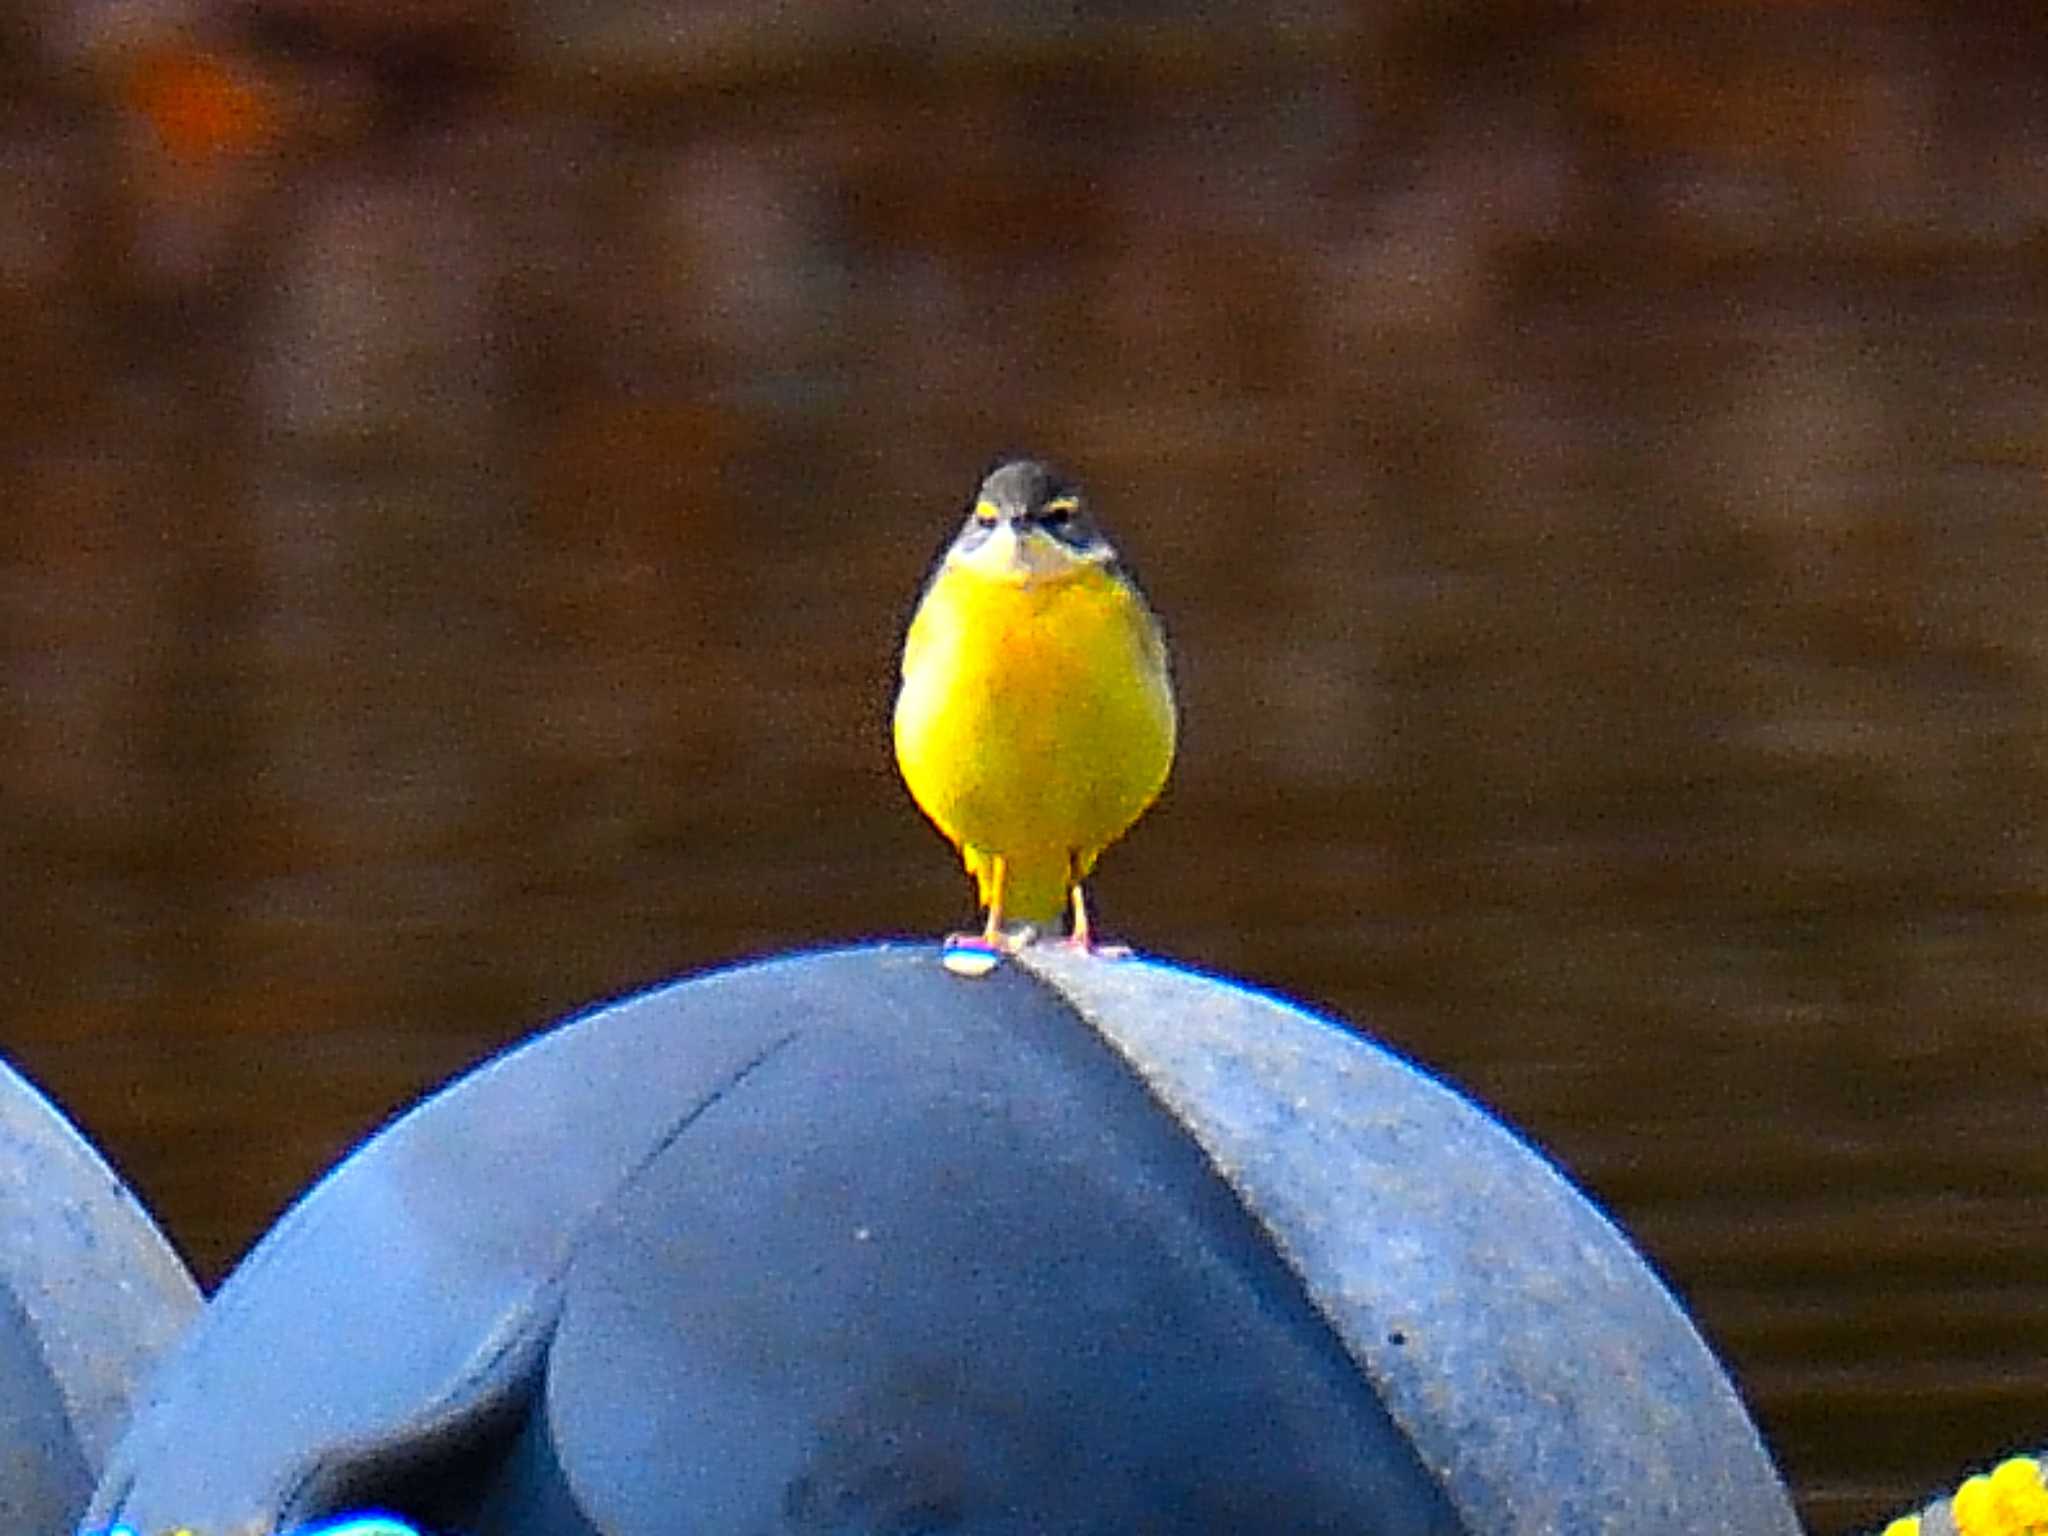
1035, 724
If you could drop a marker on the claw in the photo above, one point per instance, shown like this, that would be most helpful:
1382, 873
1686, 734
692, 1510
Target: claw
970, 954
1082, 939
1082, 945
976, 954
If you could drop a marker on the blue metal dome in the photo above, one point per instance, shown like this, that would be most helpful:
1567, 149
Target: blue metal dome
844, 1243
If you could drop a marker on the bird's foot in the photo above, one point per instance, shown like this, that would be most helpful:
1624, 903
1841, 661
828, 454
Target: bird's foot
976, 954
1081, 938
1088, 944
969, 954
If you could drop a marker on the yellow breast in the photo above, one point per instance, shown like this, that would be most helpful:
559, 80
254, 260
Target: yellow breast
1035, 721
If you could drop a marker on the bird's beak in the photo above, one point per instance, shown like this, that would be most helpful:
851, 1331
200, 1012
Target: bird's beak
1024, 557
1002, 549
1004, 554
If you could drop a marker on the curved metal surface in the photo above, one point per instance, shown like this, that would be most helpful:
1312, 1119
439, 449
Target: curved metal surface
90, 1296
843, 1243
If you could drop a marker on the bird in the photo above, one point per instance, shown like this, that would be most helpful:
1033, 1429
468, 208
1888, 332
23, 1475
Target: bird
1035, 721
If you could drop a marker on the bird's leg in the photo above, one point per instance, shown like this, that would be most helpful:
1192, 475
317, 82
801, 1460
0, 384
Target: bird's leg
1083, 935
992, 931
976, 954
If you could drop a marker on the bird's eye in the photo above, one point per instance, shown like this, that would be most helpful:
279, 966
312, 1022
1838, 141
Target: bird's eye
1058, 512
984, 515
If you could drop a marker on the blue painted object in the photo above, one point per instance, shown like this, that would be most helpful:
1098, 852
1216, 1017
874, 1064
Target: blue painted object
90, 1296
369, 1525
844, 1243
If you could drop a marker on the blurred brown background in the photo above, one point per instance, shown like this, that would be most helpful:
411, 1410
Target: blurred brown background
464, 468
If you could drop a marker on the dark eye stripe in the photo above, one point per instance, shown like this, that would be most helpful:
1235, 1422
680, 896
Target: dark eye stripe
1063, 518
1059, 516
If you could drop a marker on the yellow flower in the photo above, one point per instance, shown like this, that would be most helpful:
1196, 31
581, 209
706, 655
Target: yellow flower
2009, 1501
1905, 1525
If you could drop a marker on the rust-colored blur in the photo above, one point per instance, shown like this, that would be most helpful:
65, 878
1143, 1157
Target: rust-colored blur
464, 469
